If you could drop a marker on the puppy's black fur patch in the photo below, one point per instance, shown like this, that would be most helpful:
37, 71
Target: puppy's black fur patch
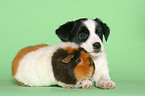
102, 29
71, 31
76, 31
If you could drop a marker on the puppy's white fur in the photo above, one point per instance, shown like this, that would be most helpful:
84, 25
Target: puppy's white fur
35, 68
101, 64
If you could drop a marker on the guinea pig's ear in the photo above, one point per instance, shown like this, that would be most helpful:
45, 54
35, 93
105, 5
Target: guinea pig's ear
67, 59
106, 30
63, 32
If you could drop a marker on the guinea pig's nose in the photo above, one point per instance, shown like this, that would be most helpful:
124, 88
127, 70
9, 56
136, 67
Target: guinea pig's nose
96, 45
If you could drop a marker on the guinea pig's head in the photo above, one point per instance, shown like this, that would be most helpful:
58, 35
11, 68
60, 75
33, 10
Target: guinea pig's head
72, 64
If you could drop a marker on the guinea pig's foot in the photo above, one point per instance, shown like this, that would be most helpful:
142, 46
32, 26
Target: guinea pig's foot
107, 84
86, 84
68, 86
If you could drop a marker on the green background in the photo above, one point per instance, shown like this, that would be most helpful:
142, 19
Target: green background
29, 22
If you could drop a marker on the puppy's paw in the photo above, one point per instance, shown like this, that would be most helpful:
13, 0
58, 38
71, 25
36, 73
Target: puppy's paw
86, 84
68, 86
106, 84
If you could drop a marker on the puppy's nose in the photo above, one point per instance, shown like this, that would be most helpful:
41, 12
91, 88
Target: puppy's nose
96, 45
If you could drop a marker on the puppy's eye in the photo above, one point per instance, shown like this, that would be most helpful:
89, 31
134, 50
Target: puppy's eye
83, 36
99, 34
78, 60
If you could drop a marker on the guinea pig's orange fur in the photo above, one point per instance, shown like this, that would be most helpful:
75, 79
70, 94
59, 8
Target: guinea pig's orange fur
82, 70
70, 49
20, 55
20, 83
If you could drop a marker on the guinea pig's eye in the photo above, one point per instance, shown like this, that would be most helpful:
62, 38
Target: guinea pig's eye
78, 60
83, 36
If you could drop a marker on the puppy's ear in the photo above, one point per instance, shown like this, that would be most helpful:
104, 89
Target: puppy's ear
67, 59
63, 32
105, 28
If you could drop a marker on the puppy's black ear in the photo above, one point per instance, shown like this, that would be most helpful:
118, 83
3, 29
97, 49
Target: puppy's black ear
64, 31
105, 28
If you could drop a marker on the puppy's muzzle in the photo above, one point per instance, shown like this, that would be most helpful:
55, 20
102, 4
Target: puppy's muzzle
97, 47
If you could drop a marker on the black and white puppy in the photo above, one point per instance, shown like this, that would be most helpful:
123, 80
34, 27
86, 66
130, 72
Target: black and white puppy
88, 33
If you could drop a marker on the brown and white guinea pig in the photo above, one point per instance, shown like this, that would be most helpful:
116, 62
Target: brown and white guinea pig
63, 64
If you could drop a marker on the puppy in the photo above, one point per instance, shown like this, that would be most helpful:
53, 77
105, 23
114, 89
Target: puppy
88, 33
64, 64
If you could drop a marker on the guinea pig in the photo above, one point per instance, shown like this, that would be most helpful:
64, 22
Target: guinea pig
64, 64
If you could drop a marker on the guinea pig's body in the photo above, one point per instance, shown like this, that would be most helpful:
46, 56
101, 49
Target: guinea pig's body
62, 64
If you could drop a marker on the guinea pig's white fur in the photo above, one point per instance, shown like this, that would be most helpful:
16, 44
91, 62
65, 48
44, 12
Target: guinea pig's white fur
42, 73
32, 66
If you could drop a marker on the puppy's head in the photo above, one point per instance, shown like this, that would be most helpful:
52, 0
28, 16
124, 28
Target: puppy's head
87, 33
72, 64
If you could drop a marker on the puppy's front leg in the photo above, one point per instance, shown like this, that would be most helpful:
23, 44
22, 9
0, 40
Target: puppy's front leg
105, 83
86, 84
101, 75
80, 84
